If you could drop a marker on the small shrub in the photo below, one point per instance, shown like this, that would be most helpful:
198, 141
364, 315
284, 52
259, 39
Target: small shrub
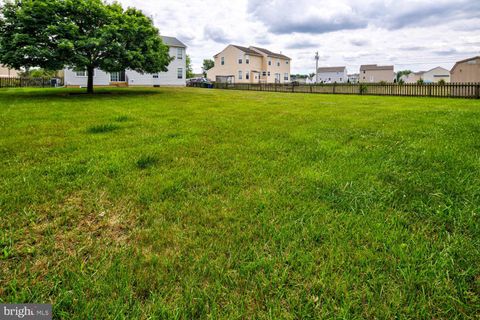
441, 82
420, 82
103, 128
363, 89
146, 161
382, 83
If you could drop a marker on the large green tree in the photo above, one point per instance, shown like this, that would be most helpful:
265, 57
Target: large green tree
81, 34
207, 65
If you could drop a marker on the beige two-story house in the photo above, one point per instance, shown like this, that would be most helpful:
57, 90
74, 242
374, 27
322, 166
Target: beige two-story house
7, 73
467, 70
239, 64
372, 73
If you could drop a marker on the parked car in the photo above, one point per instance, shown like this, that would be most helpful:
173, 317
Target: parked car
199, 82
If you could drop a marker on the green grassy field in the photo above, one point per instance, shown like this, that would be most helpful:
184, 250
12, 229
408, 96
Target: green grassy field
192, 203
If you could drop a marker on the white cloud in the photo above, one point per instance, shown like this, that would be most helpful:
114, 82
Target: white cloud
413, 34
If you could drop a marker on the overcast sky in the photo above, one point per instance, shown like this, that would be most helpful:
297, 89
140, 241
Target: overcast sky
411, 34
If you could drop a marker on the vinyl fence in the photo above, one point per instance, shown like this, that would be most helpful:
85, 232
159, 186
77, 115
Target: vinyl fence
30, 82
449, 90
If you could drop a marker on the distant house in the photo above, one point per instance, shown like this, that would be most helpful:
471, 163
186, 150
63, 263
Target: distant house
354, 77
332, 74
412, 77
6, 72
175, 76
431, 76
467, 70
250, 65
372, 73
299, 79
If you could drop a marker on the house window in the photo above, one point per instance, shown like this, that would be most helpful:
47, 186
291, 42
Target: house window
340, 79
240, 76
155, 76
285, 77
247, 75
223, 61
179, 53
269, 73
247, 59
278, 63
240, 61
287, 62
81, 73
117, 76
180, 73
264, 73
269, 62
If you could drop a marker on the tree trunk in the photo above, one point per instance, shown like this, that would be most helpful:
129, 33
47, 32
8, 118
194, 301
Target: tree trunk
90, 71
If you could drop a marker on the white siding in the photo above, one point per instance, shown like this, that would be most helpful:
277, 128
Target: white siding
168, 78
100, 78
332, 77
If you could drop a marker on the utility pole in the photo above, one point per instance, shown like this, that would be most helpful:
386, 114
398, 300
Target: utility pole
317, 57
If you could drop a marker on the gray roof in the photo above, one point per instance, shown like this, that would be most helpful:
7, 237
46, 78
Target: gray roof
271, 54
172, 42
375, 67
332, 69
247, 50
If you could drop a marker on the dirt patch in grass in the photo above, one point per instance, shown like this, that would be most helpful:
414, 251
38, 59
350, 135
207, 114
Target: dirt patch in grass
84, 225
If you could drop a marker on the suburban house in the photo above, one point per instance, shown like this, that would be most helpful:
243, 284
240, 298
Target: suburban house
431, 76
332, 75
467, 70
6, 72
239, 64
412, 77
372, 73
175, 76
354, 77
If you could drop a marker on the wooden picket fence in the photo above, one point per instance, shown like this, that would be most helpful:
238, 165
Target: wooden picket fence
9, 82
448, 90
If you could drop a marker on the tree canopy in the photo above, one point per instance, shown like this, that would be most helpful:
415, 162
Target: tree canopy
81, 34
207, 65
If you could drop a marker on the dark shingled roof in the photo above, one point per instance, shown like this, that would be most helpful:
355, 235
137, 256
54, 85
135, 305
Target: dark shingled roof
332, 69
271, 54
375, 67
172, 42
247, 50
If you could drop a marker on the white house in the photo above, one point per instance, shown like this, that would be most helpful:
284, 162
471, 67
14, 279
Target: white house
354, 78
175, 76
431, 76
332, 75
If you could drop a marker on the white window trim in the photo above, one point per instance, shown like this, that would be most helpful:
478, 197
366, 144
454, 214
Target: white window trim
179, 73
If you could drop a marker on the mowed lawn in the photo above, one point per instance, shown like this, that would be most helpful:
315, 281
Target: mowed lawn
195, 203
